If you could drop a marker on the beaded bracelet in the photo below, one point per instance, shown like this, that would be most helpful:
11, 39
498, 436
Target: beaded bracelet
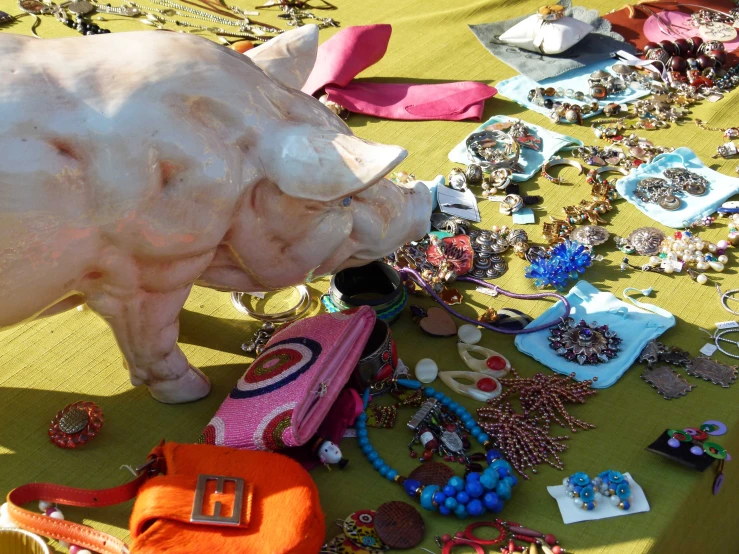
559, 161
472, 495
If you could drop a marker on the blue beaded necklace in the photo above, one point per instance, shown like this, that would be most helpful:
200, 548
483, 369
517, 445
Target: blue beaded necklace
473, 495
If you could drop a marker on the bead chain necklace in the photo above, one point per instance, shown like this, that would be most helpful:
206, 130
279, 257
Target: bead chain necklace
472, 495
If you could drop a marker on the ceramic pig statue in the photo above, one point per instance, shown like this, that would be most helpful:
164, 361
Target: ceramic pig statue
134, 165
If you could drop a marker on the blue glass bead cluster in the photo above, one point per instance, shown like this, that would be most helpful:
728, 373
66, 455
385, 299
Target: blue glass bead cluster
473, 495
567, 260
588, 492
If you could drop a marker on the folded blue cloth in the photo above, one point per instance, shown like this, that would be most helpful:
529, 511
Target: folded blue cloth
517, 88
635, 326
692, 208
529, 160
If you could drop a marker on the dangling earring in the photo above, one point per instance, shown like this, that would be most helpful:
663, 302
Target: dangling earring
493, 365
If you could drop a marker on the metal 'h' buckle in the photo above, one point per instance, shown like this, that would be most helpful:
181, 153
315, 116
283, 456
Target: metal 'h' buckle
198, 516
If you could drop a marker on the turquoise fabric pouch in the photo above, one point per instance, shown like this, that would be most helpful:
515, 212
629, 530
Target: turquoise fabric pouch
517, 89
692, 208
529, 160
634, 325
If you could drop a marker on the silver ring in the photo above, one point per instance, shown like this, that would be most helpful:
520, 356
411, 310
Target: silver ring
237, 299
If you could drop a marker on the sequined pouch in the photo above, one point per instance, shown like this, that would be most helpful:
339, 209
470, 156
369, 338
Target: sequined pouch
287, 391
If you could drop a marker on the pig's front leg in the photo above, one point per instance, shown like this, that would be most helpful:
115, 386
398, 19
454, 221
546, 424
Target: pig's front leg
146, 326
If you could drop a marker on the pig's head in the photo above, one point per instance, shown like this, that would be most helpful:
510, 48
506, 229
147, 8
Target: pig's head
320, 202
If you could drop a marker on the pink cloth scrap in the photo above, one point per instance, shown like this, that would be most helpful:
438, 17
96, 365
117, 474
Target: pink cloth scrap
352, 50
448, 101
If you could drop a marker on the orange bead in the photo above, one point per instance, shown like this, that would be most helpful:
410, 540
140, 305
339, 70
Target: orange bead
242, 46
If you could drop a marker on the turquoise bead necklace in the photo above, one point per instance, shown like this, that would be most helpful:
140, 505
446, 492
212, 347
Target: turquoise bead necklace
473, 495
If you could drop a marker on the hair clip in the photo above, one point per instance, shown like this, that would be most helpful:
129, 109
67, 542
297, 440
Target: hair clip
559, 161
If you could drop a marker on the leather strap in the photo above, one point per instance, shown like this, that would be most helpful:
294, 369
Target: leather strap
74, 533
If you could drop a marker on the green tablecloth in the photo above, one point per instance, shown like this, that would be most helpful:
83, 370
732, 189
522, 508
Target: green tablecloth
49, 363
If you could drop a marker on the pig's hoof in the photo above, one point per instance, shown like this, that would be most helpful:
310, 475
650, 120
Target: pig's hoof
193, 385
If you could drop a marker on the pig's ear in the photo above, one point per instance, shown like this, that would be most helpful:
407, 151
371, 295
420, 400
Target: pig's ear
288, 58
319, 165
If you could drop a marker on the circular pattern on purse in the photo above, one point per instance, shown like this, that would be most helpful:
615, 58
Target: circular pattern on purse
280, 364
270, 431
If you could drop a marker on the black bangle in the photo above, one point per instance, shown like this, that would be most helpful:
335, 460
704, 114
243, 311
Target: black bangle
375, 284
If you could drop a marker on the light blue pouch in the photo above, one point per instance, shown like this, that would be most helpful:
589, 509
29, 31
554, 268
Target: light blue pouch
692, 208
517, 88
432, 185
635, 326
530, 160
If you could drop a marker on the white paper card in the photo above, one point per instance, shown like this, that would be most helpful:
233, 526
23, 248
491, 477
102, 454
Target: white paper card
459, 203
708, 349
573, 514
485, 290
727, 325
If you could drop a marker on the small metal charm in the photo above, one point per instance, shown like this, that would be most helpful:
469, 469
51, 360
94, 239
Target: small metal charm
713, 371
646, 240
667, 382
590, 235
260, 339
81, 7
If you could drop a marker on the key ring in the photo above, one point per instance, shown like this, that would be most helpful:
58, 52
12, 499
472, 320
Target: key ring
719, 337
726, 296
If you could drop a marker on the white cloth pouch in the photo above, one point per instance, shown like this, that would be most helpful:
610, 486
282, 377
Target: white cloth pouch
546, 37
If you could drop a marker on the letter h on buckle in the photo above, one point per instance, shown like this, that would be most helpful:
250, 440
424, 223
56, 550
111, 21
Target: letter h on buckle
198, 516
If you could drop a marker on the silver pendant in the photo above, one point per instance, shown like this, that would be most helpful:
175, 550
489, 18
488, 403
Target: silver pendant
590, 235
34, 7
647, 241
669, 202
668, 383
713, 371
81, 7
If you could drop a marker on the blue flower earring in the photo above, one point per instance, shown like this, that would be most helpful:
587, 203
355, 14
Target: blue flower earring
615, 486
582, 490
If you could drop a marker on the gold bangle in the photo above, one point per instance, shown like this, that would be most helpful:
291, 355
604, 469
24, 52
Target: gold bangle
237, 299
559, 161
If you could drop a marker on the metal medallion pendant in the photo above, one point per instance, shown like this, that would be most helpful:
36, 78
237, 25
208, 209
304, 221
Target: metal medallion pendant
586, 344
590, 235
667, 382
695, 189
34, 7
713, 371
81, 7
647, 241
452, 442
669, 202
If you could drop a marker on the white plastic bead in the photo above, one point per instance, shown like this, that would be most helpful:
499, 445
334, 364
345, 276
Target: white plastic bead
701, 279
722, 244
597, 497
578, 502
56, 514
668, 268
565, 481
469, 334
426, 370
615, 500
716, 266
65, 544
84, 551
43, 505
711, 247
702, 266
655, 261
723, 258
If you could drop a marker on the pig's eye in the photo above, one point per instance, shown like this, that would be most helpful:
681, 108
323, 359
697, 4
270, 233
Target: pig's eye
346, 201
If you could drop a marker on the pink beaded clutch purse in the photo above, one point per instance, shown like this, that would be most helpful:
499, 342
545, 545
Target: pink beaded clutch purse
285, 394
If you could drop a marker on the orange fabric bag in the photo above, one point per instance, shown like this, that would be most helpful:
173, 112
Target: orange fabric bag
194, 498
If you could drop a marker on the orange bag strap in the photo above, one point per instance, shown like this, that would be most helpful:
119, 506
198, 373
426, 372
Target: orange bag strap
74, 533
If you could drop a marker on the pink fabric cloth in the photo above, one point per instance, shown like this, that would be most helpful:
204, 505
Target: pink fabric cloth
449, 101
354, 49
284, 396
